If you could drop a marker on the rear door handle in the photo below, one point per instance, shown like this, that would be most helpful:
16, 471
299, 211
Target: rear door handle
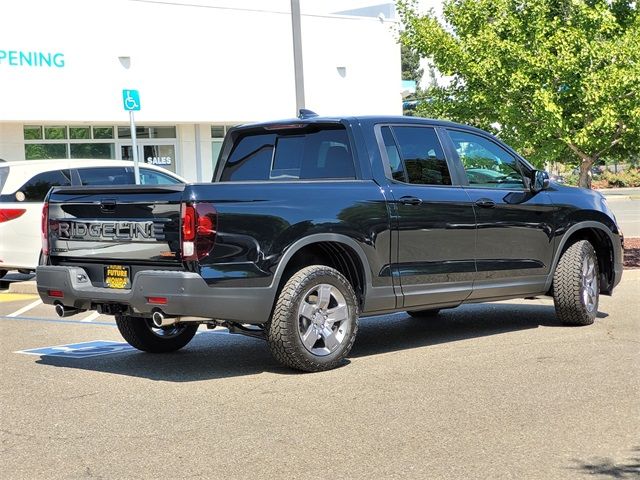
485, 203
407, 200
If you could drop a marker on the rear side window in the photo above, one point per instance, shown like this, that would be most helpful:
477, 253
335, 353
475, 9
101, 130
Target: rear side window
293, 154
107, 176
4, 173
37, 188
151, 177
250, 158
416, 156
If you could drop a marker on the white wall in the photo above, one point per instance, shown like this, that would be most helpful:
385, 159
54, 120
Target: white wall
190, 63
11, 143
193, 65
367, 49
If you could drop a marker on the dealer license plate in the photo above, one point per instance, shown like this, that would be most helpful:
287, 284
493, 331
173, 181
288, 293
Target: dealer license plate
117, 276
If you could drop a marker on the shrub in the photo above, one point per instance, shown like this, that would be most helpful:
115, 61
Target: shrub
628, 178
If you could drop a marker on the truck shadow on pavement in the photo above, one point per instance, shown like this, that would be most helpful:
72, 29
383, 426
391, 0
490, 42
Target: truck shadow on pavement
213, 355
608, 468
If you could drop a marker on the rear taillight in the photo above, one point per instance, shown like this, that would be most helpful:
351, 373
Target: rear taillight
198, 230
44, 225
7, 214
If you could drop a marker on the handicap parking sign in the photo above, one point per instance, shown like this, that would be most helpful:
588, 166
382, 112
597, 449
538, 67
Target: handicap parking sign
131, 100
80, 350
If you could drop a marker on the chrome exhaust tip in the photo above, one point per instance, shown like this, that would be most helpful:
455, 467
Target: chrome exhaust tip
159, 320
63, 311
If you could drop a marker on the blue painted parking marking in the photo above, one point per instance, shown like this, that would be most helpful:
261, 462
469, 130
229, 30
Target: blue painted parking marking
80, 350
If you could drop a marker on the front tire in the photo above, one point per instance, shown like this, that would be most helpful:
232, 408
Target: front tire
143, 335
576, 289
315, 320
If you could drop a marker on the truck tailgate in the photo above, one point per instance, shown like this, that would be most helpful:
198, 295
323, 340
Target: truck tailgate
120, 224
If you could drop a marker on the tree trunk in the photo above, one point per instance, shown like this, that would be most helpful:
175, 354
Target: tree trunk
584, 180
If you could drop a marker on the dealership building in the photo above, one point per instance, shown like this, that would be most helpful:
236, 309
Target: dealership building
200, 66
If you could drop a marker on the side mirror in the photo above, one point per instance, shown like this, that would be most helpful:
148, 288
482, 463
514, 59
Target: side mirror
539, 181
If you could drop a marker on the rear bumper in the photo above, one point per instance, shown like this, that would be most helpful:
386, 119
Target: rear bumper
187, 294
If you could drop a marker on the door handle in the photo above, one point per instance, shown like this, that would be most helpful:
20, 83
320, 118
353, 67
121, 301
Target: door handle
485, 203
407, 200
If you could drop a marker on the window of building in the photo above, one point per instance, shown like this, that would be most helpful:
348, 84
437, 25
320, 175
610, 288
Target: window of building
32, 132
416, 156
102, 133
55, 133
93, 150
72, 141
486, 164
148, 132
80, 133
38, 151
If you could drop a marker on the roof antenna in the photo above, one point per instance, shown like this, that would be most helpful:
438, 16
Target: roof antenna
304, 113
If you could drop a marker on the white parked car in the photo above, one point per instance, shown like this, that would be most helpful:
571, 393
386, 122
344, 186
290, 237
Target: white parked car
24, 185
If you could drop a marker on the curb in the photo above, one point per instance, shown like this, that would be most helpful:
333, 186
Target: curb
28, 287
615, 198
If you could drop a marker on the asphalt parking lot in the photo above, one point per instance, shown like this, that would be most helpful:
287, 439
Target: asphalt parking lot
483, 391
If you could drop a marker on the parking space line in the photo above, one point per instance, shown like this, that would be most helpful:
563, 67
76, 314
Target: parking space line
25, 309
56, 320
91, 317
16, 297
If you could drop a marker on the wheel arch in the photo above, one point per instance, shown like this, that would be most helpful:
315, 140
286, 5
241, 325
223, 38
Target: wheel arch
333, 250
603, 241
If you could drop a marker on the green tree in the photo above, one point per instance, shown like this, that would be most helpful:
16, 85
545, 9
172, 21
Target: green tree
558, 79
410, 65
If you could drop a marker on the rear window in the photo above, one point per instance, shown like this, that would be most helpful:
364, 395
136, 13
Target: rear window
107, 176
123, 176
291, 155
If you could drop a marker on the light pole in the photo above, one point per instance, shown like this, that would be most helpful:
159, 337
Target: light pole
297, 54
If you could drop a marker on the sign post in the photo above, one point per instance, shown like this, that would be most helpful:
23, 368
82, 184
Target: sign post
131, 103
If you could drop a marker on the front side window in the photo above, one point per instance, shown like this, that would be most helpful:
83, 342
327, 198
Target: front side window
36, 189
486, 164
416, 156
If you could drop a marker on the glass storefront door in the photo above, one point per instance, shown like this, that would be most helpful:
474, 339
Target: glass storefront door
163, 155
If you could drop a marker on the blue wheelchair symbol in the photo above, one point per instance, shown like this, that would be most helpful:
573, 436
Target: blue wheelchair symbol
81, 350
131, 100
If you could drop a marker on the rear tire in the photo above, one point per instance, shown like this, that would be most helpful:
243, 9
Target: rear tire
142, 334
315, 320
433, 312
576, 289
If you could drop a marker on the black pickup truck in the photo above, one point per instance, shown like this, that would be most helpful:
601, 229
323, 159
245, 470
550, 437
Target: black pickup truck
313, 222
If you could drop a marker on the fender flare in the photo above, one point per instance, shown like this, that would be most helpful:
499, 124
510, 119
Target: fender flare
574, 228
323, 237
